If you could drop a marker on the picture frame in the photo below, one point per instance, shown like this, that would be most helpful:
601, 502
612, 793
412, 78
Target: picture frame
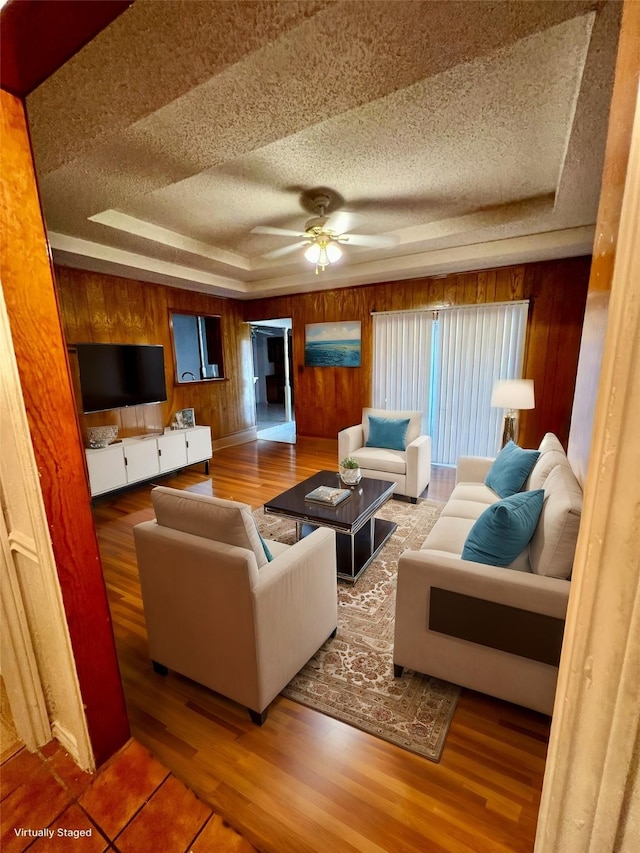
185, 418
333, 344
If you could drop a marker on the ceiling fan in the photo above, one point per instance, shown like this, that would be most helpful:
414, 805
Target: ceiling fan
323, 235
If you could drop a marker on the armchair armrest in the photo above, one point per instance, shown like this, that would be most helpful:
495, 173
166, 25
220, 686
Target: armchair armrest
418, 465
473, 469
350, 439
420, 570
495, 630
296, 609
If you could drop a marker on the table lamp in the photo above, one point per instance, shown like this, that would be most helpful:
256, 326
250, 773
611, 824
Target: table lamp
512, 395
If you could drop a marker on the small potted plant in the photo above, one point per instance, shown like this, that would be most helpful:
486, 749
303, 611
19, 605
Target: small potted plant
350, 473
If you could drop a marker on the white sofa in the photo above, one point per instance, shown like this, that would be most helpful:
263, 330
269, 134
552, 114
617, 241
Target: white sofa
218, 611
492, 629
410, 469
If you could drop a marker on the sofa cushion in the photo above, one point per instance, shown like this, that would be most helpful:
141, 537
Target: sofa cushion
474, 492
553, 545
414, 430
510, 470
551, 454
230, 522
465, 509
550, 441
388, 432
449, 534
379, 459
504, 529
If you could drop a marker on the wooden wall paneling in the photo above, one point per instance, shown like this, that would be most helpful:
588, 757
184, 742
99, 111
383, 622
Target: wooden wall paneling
321, 407
99, 307
566, 330
326, 399
469, 286
536, 364
557, 293
435, 292
450, 291
41, 357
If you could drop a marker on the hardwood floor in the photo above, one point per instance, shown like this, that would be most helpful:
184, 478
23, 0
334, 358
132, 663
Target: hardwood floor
305, 782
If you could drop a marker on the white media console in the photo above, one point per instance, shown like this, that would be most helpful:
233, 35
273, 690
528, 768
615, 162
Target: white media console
133, 460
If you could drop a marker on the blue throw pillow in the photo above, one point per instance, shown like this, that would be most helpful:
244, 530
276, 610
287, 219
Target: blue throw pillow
504, 529
390, 433
510, 470
267, 552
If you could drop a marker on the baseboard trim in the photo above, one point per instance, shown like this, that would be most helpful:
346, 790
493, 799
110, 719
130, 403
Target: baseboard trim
241, 437
83, 758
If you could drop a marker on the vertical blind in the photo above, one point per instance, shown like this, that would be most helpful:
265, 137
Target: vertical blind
401, 362
446, 368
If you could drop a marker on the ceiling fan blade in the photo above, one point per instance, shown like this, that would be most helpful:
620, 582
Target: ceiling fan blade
372, 241
341, 221
279, 232
285, 250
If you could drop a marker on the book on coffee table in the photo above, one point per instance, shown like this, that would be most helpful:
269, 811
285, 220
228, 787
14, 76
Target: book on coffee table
327, 495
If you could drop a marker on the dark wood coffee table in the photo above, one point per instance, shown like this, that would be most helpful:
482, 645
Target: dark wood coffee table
359, 535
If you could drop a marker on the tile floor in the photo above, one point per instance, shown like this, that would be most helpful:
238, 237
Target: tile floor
132, 805
272, 424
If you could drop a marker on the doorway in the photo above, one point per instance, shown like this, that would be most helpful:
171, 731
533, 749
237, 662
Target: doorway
272, 372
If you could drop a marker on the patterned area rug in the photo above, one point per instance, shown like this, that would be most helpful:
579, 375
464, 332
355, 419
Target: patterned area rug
351, 676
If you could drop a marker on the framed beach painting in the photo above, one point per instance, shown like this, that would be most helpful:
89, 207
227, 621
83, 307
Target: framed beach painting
333, 344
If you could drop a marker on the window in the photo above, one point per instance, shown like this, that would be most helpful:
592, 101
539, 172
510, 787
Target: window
197, 347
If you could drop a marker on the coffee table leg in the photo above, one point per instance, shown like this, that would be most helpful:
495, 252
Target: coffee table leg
298, 531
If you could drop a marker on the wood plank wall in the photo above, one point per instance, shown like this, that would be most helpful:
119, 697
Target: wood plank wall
329, 399
107, 309
97, 307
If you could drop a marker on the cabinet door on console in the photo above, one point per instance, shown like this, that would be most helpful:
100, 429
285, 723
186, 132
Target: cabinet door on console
172, 449
198, 444
142, 459
106, 469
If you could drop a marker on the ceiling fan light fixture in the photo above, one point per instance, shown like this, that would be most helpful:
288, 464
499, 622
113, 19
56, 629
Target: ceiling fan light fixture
322, 252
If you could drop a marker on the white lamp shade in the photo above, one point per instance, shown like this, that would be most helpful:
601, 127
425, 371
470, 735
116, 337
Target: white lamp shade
334, 252
313, 253
513, 394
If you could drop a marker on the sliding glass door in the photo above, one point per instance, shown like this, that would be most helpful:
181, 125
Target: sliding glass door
445, 364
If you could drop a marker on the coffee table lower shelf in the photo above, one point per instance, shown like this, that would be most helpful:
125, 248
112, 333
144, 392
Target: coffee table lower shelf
354, 551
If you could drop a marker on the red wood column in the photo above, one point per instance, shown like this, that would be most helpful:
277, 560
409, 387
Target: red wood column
27, 281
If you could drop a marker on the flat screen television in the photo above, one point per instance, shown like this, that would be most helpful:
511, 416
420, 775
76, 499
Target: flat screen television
113, 376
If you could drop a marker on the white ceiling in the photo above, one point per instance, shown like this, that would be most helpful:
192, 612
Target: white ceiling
471, 132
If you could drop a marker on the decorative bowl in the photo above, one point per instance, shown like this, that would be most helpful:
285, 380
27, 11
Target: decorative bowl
101, 436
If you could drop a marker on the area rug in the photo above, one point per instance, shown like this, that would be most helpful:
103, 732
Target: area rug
351, 676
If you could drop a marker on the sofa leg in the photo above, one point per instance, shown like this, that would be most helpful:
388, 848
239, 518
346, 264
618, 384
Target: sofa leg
333, 633
414, 500
397, 670
160, 668
258, 717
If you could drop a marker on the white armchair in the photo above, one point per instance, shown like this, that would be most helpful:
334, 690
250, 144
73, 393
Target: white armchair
218, 610
409, 468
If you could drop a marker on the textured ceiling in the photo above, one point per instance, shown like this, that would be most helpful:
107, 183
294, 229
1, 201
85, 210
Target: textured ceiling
472, 133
